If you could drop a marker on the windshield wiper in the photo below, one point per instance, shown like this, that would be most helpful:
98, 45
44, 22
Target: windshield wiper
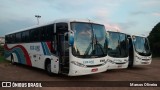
87, 50
94, 44
90, 45
97, 43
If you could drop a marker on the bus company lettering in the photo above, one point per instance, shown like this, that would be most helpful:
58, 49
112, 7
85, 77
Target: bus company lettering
36, 48
14, 84
88, 62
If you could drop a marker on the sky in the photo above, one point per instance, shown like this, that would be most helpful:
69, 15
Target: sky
129, 16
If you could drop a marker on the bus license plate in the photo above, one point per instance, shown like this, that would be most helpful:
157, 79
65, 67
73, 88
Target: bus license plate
145, 62
94, 70
119, 66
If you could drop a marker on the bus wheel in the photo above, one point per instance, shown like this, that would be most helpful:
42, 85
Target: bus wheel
12, 60
48, 68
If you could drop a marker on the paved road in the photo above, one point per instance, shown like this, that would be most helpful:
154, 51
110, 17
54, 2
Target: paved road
138, 73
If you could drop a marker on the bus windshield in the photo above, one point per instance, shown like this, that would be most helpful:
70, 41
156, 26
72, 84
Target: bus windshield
141, 45
117, 46
89, 40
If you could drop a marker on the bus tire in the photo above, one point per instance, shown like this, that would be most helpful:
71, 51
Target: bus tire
12, 60
48, 67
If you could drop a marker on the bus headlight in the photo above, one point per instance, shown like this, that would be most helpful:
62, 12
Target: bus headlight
105, 62
111, 61
138, 57
78, 64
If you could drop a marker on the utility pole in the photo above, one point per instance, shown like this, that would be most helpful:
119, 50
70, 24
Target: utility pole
37, 16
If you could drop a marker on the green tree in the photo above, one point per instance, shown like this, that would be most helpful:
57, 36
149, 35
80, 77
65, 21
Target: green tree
154, 38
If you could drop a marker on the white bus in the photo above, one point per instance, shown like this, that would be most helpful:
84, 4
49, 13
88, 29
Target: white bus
68, 46
139, 51
117, 50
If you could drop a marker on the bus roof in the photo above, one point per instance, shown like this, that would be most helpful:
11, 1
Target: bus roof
55, 21
140, 36
136, 35
117, 32
129, 34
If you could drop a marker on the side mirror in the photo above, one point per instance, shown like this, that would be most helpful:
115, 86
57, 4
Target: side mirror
127, 43
134, 40
127, 40
71, 38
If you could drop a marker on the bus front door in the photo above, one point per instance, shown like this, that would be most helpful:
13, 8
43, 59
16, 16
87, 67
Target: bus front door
63, 48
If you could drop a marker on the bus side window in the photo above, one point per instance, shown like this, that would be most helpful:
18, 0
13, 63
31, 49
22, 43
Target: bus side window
25, 36
49, 32
19, 37
11, 38
34, 35
42, 34
46, 33
7, 39
61, 27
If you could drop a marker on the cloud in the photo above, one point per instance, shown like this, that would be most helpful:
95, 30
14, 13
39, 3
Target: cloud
121, 27
101, 12
150, 3
112, 27
127, 25
156, 14
138, 13
115, 14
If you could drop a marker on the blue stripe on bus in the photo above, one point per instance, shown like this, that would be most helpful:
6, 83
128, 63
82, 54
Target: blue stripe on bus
43, 48
18, 53
22, 58
18, 56
47, 49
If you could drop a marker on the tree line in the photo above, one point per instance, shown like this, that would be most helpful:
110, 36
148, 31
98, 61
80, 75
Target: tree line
154, 39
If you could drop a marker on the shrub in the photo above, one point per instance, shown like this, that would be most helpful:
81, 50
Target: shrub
1, 50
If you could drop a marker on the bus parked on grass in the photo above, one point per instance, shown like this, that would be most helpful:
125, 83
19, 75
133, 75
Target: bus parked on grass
117, 50
139, 51
68, 46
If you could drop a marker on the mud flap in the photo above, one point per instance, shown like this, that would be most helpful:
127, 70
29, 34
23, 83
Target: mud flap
55, 65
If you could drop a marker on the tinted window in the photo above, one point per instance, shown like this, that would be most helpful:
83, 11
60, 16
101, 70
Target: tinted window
34, 35
123, 45
117, 45
61, 27
141, 45
12, 38
18, 37
42, 34
89, 40
6, 39
49, 32
46, 33
25, 36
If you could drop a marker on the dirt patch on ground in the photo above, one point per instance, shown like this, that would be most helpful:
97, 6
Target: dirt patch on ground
9, 72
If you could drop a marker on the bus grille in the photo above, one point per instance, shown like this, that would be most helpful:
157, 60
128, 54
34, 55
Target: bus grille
94, 65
